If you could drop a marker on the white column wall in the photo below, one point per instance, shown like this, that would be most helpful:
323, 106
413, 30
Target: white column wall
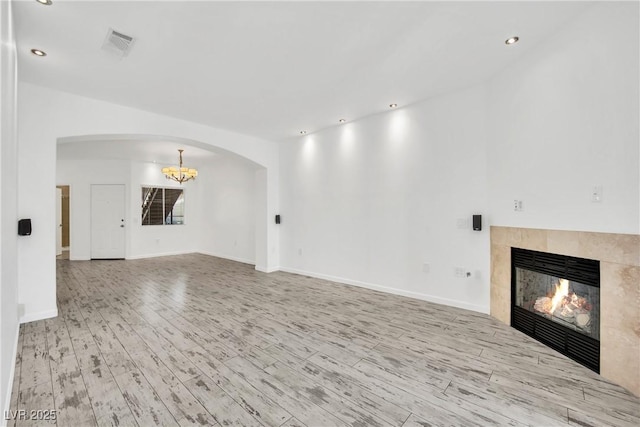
8, 206
228, 209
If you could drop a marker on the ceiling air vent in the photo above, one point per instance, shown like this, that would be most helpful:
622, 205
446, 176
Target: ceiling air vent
117, 43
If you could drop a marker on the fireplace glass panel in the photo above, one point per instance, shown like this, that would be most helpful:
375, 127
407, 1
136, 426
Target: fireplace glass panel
570, 303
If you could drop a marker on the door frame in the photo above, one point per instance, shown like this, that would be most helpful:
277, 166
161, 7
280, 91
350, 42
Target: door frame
59, 209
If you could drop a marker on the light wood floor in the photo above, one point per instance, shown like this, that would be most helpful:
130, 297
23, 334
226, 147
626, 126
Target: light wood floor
199, 340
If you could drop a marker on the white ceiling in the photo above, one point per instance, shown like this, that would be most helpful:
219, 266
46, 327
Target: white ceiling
270, 69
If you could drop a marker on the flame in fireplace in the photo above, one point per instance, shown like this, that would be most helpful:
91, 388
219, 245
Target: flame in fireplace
562, 290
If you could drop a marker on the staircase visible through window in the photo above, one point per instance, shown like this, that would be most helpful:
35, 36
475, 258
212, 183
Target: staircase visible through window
162, 206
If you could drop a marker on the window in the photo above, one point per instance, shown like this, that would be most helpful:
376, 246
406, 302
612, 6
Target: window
162, 206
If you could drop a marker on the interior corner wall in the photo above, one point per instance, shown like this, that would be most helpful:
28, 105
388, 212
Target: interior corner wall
228, 199
8, 207
386, 201
564, 120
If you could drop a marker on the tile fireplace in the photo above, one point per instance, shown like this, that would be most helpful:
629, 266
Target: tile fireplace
616, 299
556, 300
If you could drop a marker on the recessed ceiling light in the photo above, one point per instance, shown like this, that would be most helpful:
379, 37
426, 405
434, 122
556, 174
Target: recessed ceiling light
512, 40
342, 120
45, 2
38, 52
303, 132
393, 105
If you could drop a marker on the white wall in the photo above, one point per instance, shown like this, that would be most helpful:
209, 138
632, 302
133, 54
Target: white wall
371, 201
564, 119
46, 115
228, 194
8, 207
158, 240
141, 241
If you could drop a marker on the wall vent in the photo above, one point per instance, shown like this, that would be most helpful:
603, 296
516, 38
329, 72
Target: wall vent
118, 43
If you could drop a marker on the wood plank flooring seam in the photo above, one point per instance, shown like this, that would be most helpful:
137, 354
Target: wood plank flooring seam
235, 399
85, 383
53, 393
142, 373
81, 374
169, 368
419, 362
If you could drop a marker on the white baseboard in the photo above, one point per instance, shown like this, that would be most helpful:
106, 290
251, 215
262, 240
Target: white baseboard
12, 372
389, 290
229, 257
267, 270
143, 256
32, 317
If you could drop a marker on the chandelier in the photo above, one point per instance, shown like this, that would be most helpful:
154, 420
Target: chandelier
180, 174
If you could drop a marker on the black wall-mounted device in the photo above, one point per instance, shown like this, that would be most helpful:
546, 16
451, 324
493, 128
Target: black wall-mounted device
24, 227
277, 219
477, 222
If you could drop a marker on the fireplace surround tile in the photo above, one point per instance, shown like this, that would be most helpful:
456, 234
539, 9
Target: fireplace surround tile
502, 236
532, 239
619, 256
500, 272
621, 320
617, 248
563, 242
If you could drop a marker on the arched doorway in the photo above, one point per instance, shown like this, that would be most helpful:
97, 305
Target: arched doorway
134, 162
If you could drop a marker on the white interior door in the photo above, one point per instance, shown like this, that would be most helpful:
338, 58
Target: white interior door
107, 222
58, 221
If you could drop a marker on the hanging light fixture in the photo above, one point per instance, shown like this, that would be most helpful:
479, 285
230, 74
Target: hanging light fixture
180, 174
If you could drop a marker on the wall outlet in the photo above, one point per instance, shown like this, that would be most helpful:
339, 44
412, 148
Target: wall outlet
299, 251
596, 194
157, 241
517, 205
426, 267
235, 243
460, 272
